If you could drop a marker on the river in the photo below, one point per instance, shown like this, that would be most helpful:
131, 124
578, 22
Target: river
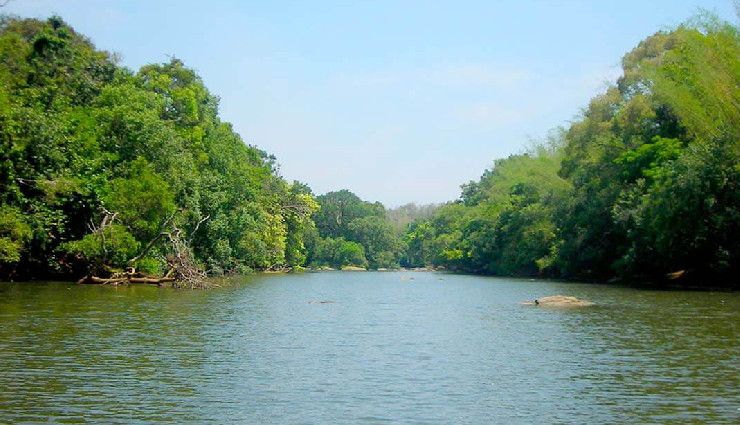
390, 347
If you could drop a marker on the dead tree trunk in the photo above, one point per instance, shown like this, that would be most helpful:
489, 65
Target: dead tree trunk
105, 223
182, 264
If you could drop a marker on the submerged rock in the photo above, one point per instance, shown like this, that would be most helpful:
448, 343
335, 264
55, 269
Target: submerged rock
353, 269
558, 301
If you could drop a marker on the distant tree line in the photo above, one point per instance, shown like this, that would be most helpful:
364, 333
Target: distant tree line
352, 232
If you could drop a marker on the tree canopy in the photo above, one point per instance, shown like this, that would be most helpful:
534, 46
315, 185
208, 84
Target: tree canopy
345, 223
80, 135
102, 165
643, 186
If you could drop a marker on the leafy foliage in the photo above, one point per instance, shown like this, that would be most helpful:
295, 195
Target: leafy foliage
114, 244
503, 224
352, 232
79, 135
644, 184
14, 234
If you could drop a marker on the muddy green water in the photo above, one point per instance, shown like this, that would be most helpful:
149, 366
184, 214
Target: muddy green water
435, 349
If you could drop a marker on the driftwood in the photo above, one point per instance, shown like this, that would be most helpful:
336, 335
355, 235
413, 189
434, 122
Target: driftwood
120, 278
151, 280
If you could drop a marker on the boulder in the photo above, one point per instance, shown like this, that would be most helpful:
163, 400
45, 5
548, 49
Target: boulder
558, 301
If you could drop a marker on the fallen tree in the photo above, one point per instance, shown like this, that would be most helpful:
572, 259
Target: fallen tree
126, 277
182, 270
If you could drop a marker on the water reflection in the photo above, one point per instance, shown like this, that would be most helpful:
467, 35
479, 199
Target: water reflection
457, 350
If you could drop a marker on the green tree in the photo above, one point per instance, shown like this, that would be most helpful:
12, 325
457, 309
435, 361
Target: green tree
143, 198
79, 134
14, 234
378, 239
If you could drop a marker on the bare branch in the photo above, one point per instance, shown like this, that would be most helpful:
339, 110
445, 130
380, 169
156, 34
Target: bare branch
197, 226
107, 222
300, 209
153, 241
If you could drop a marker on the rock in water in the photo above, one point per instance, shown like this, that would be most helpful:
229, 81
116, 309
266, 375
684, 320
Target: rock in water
558, 301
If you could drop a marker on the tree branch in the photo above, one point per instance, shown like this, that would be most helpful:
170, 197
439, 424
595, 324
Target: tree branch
197, 226
153, 241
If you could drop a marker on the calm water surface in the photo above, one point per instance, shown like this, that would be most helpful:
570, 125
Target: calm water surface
435, 349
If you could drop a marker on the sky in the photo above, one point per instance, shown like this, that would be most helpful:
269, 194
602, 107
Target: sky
397, 101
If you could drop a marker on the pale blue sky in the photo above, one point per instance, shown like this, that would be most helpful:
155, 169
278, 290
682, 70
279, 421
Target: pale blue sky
398, 101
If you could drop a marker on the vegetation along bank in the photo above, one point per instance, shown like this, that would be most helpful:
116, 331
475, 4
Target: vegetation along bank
104, 169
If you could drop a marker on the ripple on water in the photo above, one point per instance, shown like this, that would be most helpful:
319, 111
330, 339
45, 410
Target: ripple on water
425, 351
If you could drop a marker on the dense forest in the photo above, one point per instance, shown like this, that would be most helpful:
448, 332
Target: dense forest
98, 162
644, 185
105, 168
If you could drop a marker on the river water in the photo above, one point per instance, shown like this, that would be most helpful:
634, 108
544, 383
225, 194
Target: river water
393, 347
